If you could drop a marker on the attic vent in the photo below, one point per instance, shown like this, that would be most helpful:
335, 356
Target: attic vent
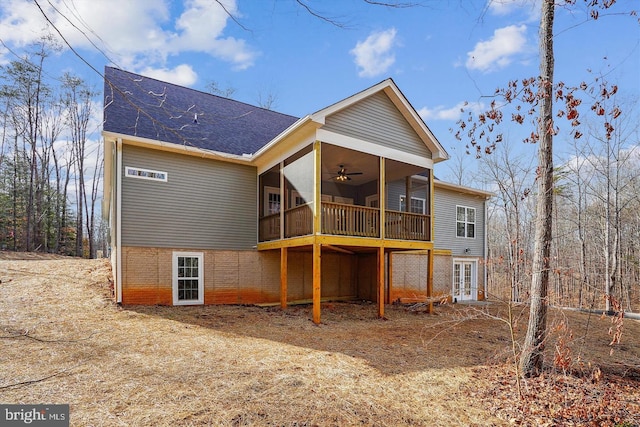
134, 172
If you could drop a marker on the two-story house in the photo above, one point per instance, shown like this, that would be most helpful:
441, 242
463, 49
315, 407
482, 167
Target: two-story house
214, 201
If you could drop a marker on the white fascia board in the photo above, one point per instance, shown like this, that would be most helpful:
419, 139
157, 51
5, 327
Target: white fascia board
185, 149
320, 116
437, 150
463, 189
109, 145
283, 135
374, 149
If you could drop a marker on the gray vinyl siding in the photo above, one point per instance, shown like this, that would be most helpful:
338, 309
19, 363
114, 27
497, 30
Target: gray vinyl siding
445, 203
205, 204
376, 119
395, 189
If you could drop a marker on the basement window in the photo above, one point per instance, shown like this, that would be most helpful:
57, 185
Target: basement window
188, 278
134, 172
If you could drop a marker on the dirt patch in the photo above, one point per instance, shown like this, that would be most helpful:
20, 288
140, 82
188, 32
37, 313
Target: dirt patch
64, 341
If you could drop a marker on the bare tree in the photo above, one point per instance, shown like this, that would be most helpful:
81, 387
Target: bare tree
534, 98
511, 174
77, 100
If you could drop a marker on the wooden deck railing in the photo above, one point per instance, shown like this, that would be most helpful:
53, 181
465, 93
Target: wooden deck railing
269, 228
350, 220
407, 226
299, 221
347, 220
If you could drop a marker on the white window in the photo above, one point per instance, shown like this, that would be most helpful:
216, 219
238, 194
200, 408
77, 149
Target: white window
133, 172
271, 200
296, 199
188, 278
417, 205
465, 222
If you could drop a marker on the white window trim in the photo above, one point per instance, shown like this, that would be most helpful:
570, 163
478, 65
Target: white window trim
127, 169
270, 190
294, 195
475, 223
368, 201
424, 203
174, 275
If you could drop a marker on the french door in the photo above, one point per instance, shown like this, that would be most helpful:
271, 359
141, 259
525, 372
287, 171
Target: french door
465, 286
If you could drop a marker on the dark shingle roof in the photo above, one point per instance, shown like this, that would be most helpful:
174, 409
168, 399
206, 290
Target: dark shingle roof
140, 106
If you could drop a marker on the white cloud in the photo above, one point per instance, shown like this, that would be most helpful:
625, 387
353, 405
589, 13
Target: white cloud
182, 75
499, 50
507, 7
374, 56
140, 31
454, 113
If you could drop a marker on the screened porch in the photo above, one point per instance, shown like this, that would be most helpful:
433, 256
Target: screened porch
351, 187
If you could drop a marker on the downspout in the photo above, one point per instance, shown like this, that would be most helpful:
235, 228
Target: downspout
486, 249
118, 208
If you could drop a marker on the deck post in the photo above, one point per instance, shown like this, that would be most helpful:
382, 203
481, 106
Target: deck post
407, 191
430, 251
381, 282
283, 277
430, 280
390, 278
382, 202
317, 249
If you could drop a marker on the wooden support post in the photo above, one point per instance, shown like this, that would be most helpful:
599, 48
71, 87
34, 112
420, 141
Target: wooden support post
317, 188
390, 276
382, 202
407, 192
283, 277
430, 280
381, 282
317, 249
283, 200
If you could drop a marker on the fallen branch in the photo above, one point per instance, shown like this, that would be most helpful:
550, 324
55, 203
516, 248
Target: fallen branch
26, 334
4, 387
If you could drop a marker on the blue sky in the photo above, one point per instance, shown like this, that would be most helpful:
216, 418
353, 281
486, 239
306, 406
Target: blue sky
441, 53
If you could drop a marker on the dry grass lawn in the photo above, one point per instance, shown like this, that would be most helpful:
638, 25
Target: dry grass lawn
64, 341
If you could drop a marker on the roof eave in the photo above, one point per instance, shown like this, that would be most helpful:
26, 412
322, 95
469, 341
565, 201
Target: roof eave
177, 148
300, 123
463, 189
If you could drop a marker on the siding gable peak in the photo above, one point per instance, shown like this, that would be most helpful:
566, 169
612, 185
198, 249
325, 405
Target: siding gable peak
400, 103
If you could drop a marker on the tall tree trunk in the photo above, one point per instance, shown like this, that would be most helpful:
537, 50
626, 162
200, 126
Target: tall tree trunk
531, 360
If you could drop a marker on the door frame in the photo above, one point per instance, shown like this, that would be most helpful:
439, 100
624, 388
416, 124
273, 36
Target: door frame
473, 294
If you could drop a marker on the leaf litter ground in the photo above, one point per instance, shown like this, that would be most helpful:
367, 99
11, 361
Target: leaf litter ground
63, 340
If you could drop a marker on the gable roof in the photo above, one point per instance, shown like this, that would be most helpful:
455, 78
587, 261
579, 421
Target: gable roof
151, 109
403, 105
147, 108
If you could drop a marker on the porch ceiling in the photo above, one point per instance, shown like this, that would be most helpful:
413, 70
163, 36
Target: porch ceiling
356, 161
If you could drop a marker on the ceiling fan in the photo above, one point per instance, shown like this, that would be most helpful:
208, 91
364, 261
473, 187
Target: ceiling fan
342, 174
